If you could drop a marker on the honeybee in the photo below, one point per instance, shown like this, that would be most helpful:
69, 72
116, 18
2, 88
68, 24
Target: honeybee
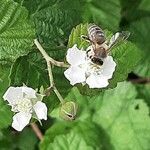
100, 45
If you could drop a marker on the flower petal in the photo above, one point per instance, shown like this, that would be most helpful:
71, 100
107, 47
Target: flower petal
40, 110
75, 75
30, 93
75, 56
20, 120
13, 94
97, 81
108, 67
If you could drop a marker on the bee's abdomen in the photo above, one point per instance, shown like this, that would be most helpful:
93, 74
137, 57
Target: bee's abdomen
96, 34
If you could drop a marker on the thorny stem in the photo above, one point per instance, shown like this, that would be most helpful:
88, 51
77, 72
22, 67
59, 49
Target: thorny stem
47, 57
50, 60
52, 85
37, 131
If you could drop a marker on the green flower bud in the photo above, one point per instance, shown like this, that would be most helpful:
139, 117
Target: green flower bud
68, 110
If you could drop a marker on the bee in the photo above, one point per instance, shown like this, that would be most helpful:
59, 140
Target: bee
100, 45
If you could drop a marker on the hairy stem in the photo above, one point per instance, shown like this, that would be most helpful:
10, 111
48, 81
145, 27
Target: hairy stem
37, 131
49, 67
50, 61
47, 57
52, 85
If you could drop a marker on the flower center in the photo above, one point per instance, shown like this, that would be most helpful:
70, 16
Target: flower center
24, 105
92, 68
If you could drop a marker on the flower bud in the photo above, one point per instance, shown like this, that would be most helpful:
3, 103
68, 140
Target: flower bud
68, 110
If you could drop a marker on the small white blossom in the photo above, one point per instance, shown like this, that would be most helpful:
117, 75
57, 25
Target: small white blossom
26, 103
82, 70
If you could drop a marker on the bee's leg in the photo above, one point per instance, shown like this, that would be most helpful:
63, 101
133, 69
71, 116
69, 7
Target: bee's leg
107, 47
85, 38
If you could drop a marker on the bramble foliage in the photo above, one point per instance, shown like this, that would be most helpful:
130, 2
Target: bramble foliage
113, 118
16, 31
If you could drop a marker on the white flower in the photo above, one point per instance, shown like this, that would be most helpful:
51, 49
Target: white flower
26, 103
82, 70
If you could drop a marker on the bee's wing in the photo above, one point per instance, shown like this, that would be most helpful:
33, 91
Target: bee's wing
117, 38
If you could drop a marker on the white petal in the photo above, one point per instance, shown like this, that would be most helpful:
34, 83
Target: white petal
75, 75
75, 56
20, 120
95, 81
13, 94
40, 110
30, 93
108, 67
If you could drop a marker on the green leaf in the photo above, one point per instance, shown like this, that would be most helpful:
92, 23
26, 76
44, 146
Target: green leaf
16, 32
140, 36
11, 140
5, 113
70, 141
143, 92
135, 12
126, 56
125, 119
54, 20
27, 139
102, 13
93, 135
75, 36
7, 140
145, 5
143, 69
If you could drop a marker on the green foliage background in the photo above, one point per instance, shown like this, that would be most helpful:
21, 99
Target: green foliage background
116, 118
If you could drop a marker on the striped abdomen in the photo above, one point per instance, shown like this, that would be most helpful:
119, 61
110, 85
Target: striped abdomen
96, 34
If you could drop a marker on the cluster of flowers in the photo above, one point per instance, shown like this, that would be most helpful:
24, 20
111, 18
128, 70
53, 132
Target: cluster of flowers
26, 103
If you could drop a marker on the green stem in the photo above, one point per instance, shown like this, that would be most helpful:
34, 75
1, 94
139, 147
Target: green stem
58, 95
50, 60
47, 57
52, 85
49, 67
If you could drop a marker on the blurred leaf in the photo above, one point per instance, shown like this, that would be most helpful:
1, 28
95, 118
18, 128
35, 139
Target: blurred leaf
5, 113
93, 135
58, 128
16, 32
70, 141
125, 119
143, 69
129, 13
145, 5
104, 13
12, 140
144, 92
140, 36
7, 140
27, 140
126, 56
